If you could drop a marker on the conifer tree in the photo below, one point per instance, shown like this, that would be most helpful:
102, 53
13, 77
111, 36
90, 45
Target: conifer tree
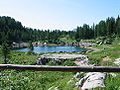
5, 51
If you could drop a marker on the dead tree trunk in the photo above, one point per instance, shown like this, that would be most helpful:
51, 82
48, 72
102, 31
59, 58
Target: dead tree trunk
60, 68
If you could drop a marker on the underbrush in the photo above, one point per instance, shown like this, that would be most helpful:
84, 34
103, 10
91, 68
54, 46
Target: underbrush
113, 52
43, 80
33, 80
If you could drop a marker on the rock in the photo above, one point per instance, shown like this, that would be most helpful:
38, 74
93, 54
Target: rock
92, 80
113, 74
42, 61
77, 75
105, 59
97, 42
80, 83
100, 43
38, 61
56, 88
88, 51
58, 58
117, 61
71, 80
51, 88
83, 59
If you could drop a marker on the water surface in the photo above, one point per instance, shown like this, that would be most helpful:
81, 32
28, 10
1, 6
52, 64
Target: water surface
47, 49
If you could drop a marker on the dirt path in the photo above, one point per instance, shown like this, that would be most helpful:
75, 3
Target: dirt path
94, 49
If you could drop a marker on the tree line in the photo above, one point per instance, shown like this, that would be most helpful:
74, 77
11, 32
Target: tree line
105, 28
14, 31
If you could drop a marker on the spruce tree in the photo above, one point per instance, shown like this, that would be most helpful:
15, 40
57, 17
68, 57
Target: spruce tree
5, 51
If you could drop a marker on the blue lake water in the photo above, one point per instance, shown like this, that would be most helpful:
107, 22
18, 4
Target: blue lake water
47, 49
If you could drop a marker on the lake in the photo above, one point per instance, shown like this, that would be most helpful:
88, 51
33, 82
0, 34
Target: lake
47, 49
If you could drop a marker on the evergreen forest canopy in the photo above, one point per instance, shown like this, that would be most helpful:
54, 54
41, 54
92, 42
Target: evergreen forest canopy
14, 31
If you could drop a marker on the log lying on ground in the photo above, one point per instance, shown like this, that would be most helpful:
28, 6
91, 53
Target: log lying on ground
60, 68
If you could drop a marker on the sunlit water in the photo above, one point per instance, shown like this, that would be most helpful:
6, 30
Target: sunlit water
47, 49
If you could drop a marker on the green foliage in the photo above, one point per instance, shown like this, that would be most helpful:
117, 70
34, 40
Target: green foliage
24, 80
5, 51
112, 82
67, 38
95, 60
69, 63
113, 52
11, 79
23, 58
106, 31
30, 46
84, 32
53, 64
33, 80
65, 63
17, 33
116, 41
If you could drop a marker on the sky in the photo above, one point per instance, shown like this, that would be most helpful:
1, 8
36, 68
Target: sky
59, 14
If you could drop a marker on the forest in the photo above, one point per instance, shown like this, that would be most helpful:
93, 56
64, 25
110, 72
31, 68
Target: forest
102, 55
14, 31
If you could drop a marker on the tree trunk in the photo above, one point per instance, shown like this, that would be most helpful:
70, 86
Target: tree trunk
60, 68
5, 59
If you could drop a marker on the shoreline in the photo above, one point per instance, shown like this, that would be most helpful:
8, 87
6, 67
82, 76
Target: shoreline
93, 49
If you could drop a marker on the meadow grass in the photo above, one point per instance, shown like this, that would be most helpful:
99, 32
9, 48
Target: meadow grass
113, 52
32, 80
43, 80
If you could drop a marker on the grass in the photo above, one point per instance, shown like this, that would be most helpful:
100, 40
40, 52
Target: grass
43, 80
113, 52
32, 80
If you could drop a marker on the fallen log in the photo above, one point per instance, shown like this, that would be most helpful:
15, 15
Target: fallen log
60, 68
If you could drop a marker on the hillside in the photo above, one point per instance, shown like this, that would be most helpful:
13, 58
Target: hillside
13, 31
12, 79
105, 35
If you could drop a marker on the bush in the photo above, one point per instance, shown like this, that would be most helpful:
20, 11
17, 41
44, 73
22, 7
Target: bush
69, 63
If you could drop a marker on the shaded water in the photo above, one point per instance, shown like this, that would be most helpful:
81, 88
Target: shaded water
46, 49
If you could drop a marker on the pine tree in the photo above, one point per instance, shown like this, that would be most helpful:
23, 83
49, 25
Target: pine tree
5, 51
118, 26
30, 46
